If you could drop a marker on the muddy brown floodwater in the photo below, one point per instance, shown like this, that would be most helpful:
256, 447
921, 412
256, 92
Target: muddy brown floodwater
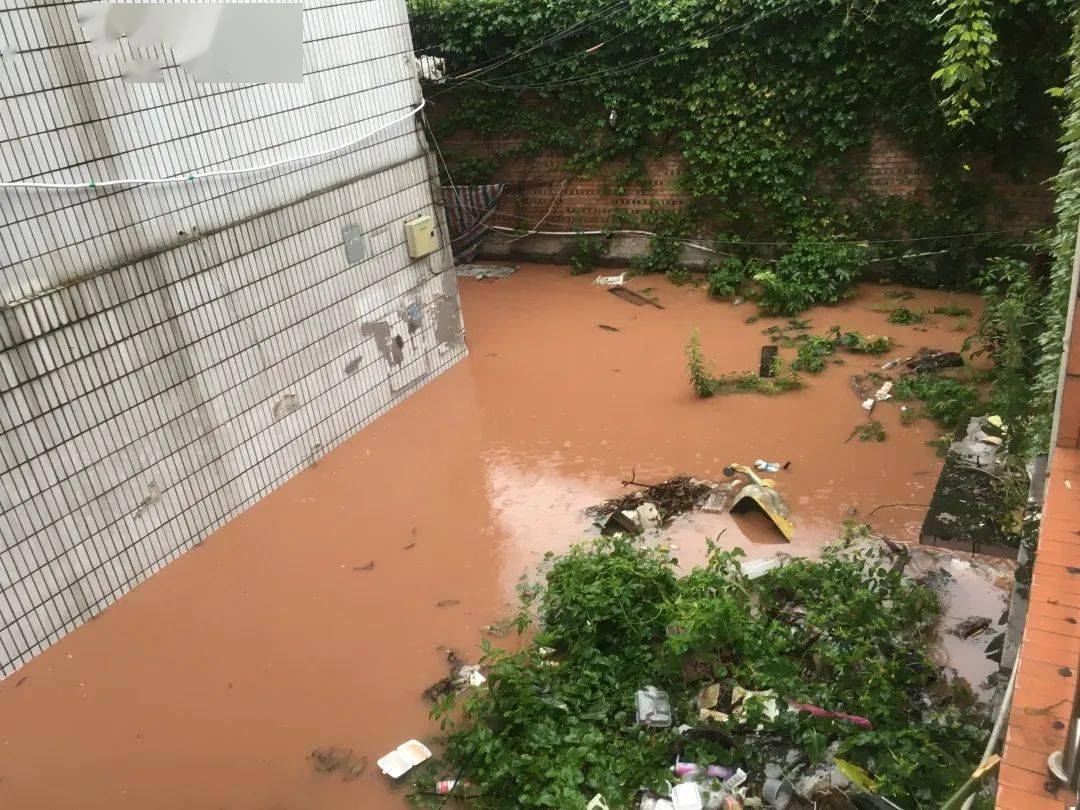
209, 685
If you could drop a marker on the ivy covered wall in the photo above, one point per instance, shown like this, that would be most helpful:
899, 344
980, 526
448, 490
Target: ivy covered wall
762, 102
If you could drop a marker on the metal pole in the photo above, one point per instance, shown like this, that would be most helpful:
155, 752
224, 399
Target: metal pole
1063, 764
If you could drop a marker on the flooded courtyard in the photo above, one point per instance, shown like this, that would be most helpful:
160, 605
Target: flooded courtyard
319, 616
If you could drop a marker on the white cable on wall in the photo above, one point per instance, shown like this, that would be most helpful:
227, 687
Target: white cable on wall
193, 176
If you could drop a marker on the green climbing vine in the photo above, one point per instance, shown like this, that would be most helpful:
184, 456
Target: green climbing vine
967, 59
765, 102
1061, 244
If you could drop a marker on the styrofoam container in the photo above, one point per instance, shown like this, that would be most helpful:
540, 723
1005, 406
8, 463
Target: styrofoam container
686, 796
404, 758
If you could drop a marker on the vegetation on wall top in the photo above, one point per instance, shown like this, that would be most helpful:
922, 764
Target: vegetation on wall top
762, 99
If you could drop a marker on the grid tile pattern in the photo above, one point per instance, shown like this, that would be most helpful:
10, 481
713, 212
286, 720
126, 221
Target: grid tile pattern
168, 355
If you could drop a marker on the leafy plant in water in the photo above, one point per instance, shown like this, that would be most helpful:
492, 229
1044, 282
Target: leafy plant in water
812, 273
587, 249
706, 384
554, 724
811, 354
903, 315
813, 349
871, 431
865, 344
948, 401
952, 310
728, 275
700, 376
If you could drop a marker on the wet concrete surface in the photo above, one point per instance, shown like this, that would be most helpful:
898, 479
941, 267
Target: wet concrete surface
209, 685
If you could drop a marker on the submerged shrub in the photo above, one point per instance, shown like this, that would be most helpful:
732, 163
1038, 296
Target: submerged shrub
812, 273
812, 353
726, 277
555, 723
948, 401
706, 384
587, 249
865, 344
902, 315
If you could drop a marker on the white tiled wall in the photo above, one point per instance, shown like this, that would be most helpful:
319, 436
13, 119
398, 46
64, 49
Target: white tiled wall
168, 355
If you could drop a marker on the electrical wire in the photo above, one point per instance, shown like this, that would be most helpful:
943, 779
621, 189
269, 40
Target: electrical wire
593, 49
500, 228
487, 66
631, 66
193, 176
688, 241
554, 202
453, 185
498, 61
736, 242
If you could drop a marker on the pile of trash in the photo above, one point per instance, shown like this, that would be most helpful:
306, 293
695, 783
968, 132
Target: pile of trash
787, 785
978, 448
811, 684
874, 386
656, 505
461, 677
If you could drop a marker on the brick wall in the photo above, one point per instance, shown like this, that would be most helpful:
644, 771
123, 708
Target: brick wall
588, 202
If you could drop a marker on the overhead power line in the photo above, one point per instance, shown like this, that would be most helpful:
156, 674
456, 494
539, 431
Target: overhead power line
576, 231
490, 64
638, 63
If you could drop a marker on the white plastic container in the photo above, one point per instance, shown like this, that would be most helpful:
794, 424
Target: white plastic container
404, 758
686, 796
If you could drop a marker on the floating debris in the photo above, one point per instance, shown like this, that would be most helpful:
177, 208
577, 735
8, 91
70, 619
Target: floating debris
404, 758
933, 360
330, 760
461, 677
671, 498
970, 627
482, 271
633, 296
653, 707
761, 493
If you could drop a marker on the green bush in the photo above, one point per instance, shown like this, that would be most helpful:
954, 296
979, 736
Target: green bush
555, 723
813, 273
726, 277
812, 353
705, 384
949, 402
904, 316
587, 249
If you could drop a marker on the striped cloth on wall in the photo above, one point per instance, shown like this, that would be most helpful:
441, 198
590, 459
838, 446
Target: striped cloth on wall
468, 210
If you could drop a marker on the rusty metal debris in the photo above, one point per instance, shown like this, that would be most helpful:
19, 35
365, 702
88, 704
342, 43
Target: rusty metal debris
768, 360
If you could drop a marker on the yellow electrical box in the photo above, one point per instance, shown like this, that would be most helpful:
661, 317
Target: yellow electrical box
420, 236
